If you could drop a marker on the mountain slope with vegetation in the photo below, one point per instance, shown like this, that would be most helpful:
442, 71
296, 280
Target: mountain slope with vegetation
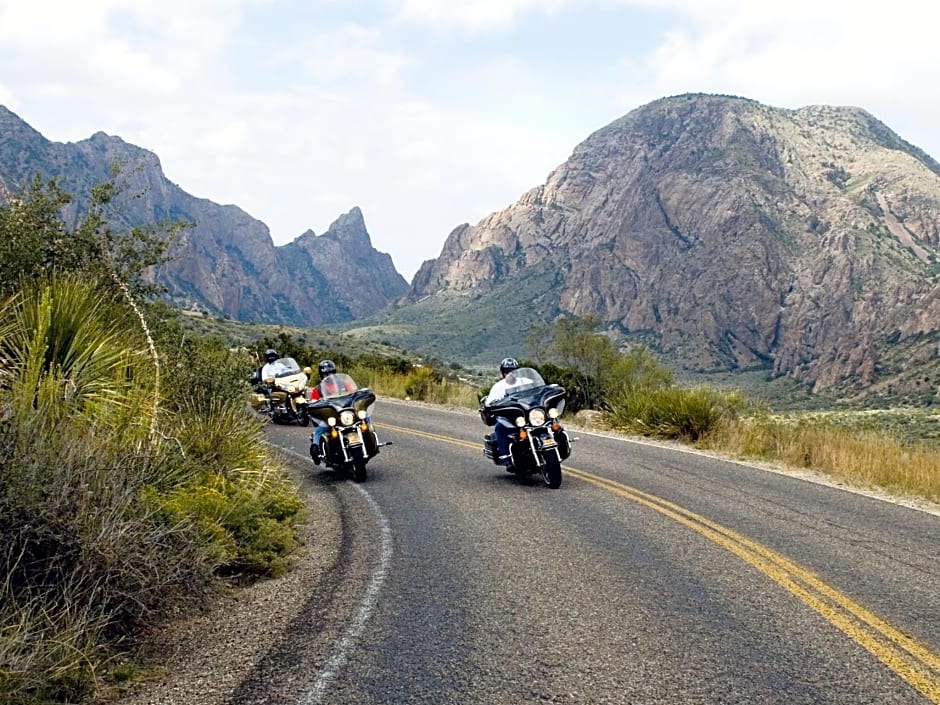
726, 235
224, 262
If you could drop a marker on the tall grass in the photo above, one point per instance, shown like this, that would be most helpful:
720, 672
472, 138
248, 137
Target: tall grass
107, 528
672, 412
724, 421
419, 384
865, 458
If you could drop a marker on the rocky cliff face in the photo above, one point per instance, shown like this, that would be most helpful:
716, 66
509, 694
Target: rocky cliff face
727, 235
226, 263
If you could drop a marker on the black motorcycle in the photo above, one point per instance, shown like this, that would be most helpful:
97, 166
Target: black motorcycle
346, 440
537, 442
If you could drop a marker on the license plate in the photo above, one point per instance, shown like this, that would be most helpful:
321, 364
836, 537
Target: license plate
352, 437
549, 443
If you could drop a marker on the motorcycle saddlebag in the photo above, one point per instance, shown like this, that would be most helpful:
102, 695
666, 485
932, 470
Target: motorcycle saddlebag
490, 446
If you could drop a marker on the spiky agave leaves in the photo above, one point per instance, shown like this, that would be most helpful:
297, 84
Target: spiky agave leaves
71, 349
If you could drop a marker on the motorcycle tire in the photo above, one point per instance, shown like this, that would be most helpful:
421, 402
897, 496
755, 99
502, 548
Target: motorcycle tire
304, 419
551, 473
359, 470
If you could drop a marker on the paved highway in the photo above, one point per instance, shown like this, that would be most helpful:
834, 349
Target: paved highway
652, 576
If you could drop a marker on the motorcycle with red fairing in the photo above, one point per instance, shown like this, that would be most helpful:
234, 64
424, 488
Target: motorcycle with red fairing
345, 439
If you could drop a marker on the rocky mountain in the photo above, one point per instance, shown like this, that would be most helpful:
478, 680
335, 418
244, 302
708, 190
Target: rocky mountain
723, 233
226, 263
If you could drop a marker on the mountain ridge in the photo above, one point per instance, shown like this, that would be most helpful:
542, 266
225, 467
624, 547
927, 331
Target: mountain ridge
226, 263
727, 235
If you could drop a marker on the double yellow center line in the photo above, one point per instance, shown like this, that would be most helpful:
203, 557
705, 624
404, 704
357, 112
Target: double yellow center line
911, 661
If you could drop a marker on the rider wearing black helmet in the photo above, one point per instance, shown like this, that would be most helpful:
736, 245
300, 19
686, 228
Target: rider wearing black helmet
508, 368
271, 367
326, 368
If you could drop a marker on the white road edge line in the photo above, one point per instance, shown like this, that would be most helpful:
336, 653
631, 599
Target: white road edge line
342, 648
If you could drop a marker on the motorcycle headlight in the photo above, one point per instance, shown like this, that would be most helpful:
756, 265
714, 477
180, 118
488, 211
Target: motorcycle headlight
553, 413
537, 417
520, 421
331, 421
361, 414
347, 417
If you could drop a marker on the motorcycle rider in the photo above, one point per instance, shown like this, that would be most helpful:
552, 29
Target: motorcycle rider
325, 388
271, 368
500, 389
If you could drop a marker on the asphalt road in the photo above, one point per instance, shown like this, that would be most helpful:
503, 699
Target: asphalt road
651, 576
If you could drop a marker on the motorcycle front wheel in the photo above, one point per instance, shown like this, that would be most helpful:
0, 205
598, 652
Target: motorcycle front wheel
359, 470
551, 472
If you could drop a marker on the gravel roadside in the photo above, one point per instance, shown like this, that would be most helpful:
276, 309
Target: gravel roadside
205, 659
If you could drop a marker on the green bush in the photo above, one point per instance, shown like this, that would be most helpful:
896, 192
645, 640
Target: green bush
119, 507
420, 383
246, 524
673, 412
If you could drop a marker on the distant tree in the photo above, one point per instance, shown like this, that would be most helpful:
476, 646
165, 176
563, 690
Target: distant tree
591, 365
35, 241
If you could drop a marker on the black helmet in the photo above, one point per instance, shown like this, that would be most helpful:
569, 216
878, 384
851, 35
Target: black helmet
270, 354
326, 368
508, 365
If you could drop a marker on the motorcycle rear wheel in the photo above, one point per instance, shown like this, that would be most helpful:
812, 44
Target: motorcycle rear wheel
551, 473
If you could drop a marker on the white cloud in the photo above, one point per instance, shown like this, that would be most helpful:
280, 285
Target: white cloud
472, 15
299, 110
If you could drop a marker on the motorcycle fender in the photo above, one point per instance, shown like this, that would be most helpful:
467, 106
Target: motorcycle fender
564, 444
543, 446
336, 450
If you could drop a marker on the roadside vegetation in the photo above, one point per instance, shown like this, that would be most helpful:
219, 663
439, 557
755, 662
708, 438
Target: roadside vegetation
897, 450
133, 485
894, 450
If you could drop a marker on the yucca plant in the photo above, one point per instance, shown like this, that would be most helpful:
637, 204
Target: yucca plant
68, 348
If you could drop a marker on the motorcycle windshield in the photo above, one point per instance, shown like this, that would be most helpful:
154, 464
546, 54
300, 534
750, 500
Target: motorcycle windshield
527, 389
337, 385
288, 367
522, 380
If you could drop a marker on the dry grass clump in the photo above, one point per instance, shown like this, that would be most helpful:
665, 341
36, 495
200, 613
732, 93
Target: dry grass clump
119, 508
865, 458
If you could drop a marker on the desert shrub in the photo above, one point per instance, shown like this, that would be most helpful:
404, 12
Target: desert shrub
420, 383
87, 562
247, 523
580, 388
673, 412
104, 513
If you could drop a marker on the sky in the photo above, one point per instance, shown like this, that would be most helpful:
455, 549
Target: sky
427, 114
